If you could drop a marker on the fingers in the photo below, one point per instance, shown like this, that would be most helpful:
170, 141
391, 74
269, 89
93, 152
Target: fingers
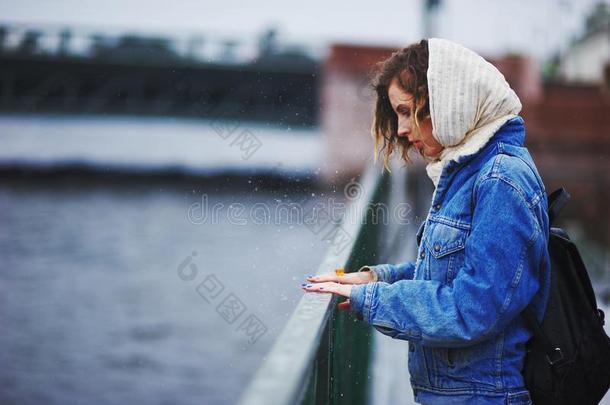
338, 276
323, 278
351, 278
328, 287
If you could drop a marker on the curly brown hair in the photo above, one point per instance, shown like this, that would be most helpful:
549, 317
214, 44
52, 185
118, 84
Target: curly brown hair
409, 67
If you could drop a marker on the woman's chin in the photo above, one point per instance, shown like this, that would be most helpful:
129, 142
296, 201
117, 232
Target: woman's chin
428, 155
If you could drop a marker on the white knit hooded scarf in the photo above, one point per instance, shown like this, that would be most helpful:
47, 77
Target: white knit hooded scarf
469, 101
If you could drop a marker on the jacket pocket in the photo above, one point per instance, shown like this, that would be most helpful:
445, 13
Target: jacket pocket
445, 246
448, 365
450, 358
457, 357
477, 364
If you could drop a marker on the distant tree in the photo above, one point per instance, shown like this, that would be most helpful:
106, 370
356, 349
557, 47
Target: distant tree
431, 4
598, 19
267, 44
550, 67
29, 42
64, 42
3, 35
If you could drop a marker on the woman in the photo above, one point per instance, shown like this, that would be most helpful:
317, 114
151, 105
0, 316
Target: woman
482, 254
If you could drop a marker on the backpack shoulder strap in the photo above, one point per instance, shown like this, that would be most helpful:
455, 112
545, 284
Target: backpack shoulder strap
557, 200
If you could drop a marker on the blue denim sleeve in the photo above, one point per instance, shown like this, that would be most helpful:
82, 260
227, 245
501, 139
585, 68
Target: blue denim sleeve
390, 273
503, 254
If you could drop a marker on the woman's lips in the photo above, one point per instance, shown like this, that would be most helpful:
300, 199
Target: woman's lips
418, 144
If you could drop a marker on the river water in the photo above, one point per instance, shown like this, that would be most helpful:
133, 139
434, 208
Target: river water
144, 291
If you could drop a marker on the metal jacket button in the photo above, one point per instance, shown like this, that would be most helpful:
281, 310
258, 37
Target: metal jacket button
437, 248
422, 254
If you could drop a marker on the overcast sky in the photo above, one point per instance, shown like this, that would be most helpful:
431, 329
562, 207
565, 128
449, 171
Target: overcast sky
491, 27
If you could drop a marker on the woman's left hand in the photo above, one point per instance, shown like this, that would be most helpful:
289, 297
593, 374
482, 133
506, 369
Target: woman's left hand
328, 287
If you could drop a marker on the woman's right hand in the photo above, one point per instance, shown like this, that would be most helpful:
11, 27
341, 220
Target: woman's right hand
361, 277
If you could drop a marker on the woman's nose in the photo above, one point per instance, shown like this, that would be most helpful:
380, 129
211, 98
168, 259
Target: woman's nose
404, 130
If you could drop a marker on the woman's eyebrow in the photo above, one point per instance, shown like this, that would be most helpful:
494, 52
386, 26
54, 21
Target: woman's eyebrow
402, 103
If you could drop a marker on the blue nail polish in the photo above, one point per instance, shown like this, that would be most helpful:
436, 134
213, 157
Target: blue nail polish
303, 284
321, 288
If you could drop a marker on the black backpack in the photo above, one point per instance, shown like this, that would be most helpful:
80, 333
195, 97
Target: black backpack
568, 359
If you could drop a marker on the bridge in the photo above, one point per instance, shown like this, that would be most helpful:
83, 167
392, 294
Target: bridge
62, 70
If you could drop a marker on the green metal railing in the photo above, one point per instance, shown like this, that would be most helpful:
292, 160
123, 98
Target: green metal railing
323, 355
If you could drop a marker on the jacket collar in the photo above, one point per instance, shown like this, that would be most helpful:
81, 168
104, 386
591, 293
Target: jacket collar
511, 133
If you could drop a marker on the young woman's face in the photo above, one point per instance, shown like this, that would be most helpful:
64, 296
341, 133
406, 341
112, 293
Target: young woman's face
402, 103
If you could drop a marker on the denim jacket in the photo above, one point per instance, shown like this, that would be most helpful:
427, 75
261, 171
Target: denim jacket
482, 259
